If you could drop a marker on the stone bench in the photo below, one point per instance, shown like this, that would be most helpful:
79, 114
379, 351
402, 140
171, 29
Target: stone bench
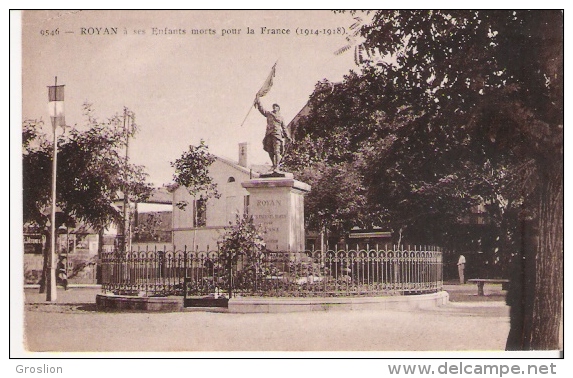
482, 281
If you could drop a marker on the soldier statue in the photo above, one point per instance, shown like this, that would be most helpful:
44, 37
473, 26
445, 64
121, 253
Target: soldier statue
276, 136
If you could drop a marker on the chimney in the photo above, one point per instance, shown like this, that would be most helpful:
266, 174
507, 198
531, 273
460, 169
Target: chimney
243, 154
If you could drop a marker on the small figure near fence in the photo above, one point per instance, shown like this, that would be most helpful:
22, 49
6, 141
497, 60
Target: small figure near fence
461, 267
63, 272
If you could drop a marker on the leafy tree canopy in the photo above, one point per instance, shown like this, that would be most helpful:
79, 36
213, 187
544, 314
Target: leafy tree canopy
453, 109
192, 172
497, 77
91, 172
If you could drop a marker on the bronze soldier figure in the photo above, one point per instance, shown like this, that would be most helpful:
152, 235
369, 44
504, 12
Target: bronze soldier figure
275, 136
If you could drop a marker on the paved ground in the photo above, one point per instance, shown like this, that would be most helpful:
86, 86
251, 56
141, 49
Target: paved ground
72, 324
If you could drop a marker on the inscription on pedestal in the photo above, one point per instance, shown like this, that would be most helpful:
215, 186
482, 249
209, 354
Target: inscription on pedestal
277, 205
272, 216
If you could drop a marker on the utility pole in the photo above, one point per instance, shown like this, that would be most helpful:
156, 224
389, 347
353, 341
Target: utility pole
126, 204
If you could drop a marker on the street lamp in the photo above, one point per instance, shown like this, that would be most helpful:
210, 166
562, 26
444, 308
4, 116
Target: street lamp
56, 108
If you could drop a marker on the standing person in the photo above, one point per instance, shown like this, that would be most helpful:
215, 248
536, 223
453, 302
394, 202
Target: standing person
461, 267
62, 272
275, 135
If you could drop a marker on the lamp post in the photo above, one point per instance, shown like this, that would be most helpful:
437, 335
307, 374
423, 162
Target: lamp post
56, 108
51, 293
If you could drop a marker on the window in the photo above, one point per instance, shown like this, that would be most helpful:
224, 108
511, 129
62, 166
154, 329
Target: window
201, 212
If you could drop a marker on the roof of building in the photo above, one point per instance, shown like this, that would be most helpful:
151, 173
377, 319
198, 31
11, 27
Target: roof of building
254, 169
160, 195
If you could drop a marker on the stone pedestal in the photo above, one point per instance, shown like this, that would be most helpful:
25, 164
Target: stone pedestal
277, 203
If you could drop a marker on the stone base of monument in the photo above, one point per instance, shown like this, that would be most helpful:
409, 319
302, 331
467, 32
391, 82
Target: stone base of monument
274, 305
276, 203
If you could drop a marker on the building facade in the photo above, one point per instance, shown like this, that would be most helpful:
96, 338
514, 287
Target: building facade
203, 221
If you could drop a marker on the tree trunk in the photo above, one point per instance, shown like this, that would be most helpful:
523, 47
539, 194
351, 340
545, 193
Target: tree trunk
536, 291
99, 256
548, 292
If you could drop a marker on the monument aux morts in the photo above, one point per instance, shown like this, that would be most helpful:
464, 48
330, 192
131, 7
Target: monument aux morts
273, 198
277, 200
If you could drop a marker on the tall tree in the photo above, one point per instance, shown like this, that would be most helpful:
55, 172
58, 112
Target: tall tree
389, 165
91, 172
336, 203
498, 75
331, 142
192, 173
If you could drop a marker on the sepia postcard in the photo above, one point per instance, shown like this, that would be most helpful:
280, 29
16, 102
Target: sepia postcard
183, 134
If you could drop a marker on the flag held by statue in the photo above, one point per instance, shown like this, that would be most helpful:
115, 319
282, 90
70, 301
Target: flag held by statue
268, 83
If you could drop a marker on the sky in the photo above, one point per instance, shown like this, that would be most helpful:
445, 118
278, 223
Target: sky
181, 87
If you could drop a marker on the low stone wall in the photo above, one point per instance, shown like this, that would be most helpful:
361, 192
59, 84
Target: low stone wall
110, 302
273, 305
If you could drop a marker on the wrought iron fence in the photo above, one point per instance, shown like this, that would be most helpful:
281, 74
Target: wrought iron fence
360, 272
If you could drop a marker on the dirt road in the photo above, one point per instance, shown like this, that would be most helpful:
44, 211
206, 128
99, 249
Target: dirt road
72, 324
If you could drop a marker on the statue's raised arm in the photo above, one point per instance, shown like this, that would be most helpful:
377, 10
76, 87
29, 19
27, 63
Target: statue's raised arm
260, 107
